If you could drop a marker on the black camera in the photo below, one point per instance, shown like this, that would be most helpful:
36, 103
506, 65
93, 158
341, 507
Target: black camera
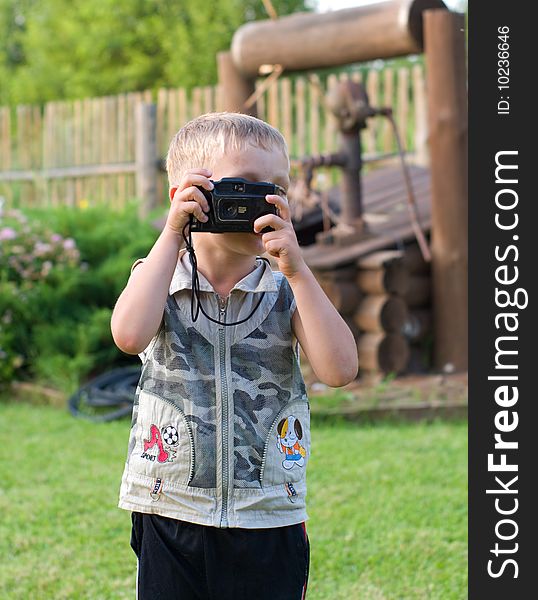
234, 205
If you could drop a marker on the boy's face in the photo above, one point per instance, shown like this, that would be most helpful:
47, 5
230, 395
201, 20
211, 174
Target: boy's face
253, 164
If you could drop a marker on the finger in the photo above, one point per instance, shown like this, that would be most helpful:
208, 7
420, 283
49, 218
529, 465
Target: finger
201, 171
282, 205
195, 210
192, 193
276, 248
196, 178
273, 221
272, 235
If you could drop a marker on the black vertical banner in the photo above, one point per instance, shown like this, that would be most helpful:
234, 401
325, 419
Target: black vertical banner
503, 332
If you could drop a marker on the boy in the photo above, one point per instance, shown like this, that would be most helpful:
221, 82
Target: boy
215, 473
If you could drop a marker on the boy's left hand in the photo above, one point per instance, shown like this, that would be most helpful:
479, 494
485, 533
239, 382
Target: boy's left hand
282, 242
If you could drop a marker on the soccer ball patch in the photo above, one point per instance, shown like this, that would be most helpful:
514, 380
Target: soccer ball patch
170, 435
159, 445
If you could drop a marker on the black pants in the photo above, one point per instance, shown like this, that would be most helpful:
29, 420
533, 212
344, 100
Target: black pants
183, 561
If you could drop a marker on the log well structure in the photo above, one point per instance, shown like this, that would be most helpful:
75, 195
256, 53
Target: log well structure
392, 304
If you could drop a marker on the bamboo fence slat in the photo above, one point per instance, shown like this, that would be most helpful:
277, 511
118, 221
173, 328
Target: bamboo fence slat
330, 125
300, 105
372, 89
122, 146
314, 114
273, 105
286, 123
388, 101
197, 102
260, 104
402, 113
420, 128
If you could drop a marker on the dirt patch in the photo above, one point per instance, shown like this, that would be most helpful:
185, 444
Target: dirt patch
409, 396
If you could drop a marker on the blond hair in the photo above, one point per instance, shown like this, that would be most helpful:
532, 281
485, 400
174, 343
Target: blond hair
201, 142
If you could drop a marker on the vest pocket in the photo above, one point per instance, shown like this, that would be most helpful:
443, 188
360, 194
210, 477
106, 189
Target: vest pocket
287, 447
163, 444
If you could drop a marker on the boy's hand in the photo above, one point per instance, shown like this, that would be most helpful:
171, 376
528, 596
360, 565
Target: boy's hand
282, 242
186, 200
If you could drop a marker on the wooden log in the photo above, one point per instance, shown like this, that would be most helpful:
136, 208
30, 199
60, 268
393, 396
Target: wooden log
414, 261
417, 325
419, 359
376, 260
393, 279
382, 352
304, 41
345, 273
235, 87
419, 292
381, 312
352, 326
448, 134
345, 295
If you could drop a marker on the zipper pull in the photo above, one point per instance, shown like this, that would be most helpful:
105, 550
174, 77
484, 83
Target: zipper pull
156, 489
223, 302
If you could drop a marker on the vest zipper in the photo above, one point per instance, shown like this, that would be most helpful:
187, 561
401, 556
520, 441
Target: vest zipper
223, 302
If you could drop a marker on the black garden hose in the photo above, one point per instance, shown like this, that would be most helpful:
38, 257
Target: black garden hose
108, 397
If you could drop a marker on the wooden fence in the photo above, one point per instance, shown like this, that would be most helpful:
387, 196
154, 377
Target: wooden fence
85, 151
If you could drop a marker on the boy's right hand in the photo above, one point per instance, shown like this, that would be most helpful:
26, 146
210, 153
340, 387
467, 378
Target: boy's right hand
186, 199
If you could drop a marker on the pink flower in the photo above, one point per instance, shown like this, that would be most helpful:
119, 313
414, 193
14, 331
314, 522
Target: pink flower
69, 244
46, 268
7, 233
41, 248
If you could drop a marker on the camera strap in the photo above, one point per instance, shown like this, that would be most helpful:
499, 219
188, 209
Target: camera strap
196, 304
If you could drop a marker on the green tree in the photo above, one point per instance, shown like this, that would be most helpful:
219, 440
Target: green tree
52, 49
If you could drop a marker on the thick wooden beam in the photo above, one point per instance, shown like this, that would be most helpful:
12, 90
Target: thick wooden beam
235, 87
447, 110
392, 280
312, 41
381, 312
344, 295
382, 352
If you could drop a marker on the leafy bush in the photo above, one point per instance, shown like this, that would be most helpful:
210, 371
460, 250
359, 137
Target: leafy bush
61, 271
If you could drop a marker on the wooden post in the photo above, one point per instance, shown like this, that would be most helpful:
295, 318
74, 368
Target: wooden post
447, 115
146, 160
235, 87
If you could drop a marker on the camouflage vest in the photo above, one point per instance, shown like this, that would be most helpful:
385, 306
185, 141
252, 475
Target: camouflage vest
220, 432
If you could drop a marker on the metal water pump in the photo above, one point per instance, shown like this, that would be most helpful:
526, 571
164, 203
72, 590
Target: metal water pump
348, 102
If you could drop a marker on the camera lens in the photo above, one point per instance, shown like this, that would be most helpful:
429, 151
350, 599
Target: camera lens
228, 209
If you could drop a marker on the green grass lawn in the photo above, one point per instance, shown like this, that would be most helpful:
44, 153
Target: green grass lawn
387, 506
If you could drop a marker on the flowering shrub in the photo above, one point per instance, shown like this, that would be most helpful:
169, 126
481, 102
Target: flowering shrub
61, 271
29, 252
